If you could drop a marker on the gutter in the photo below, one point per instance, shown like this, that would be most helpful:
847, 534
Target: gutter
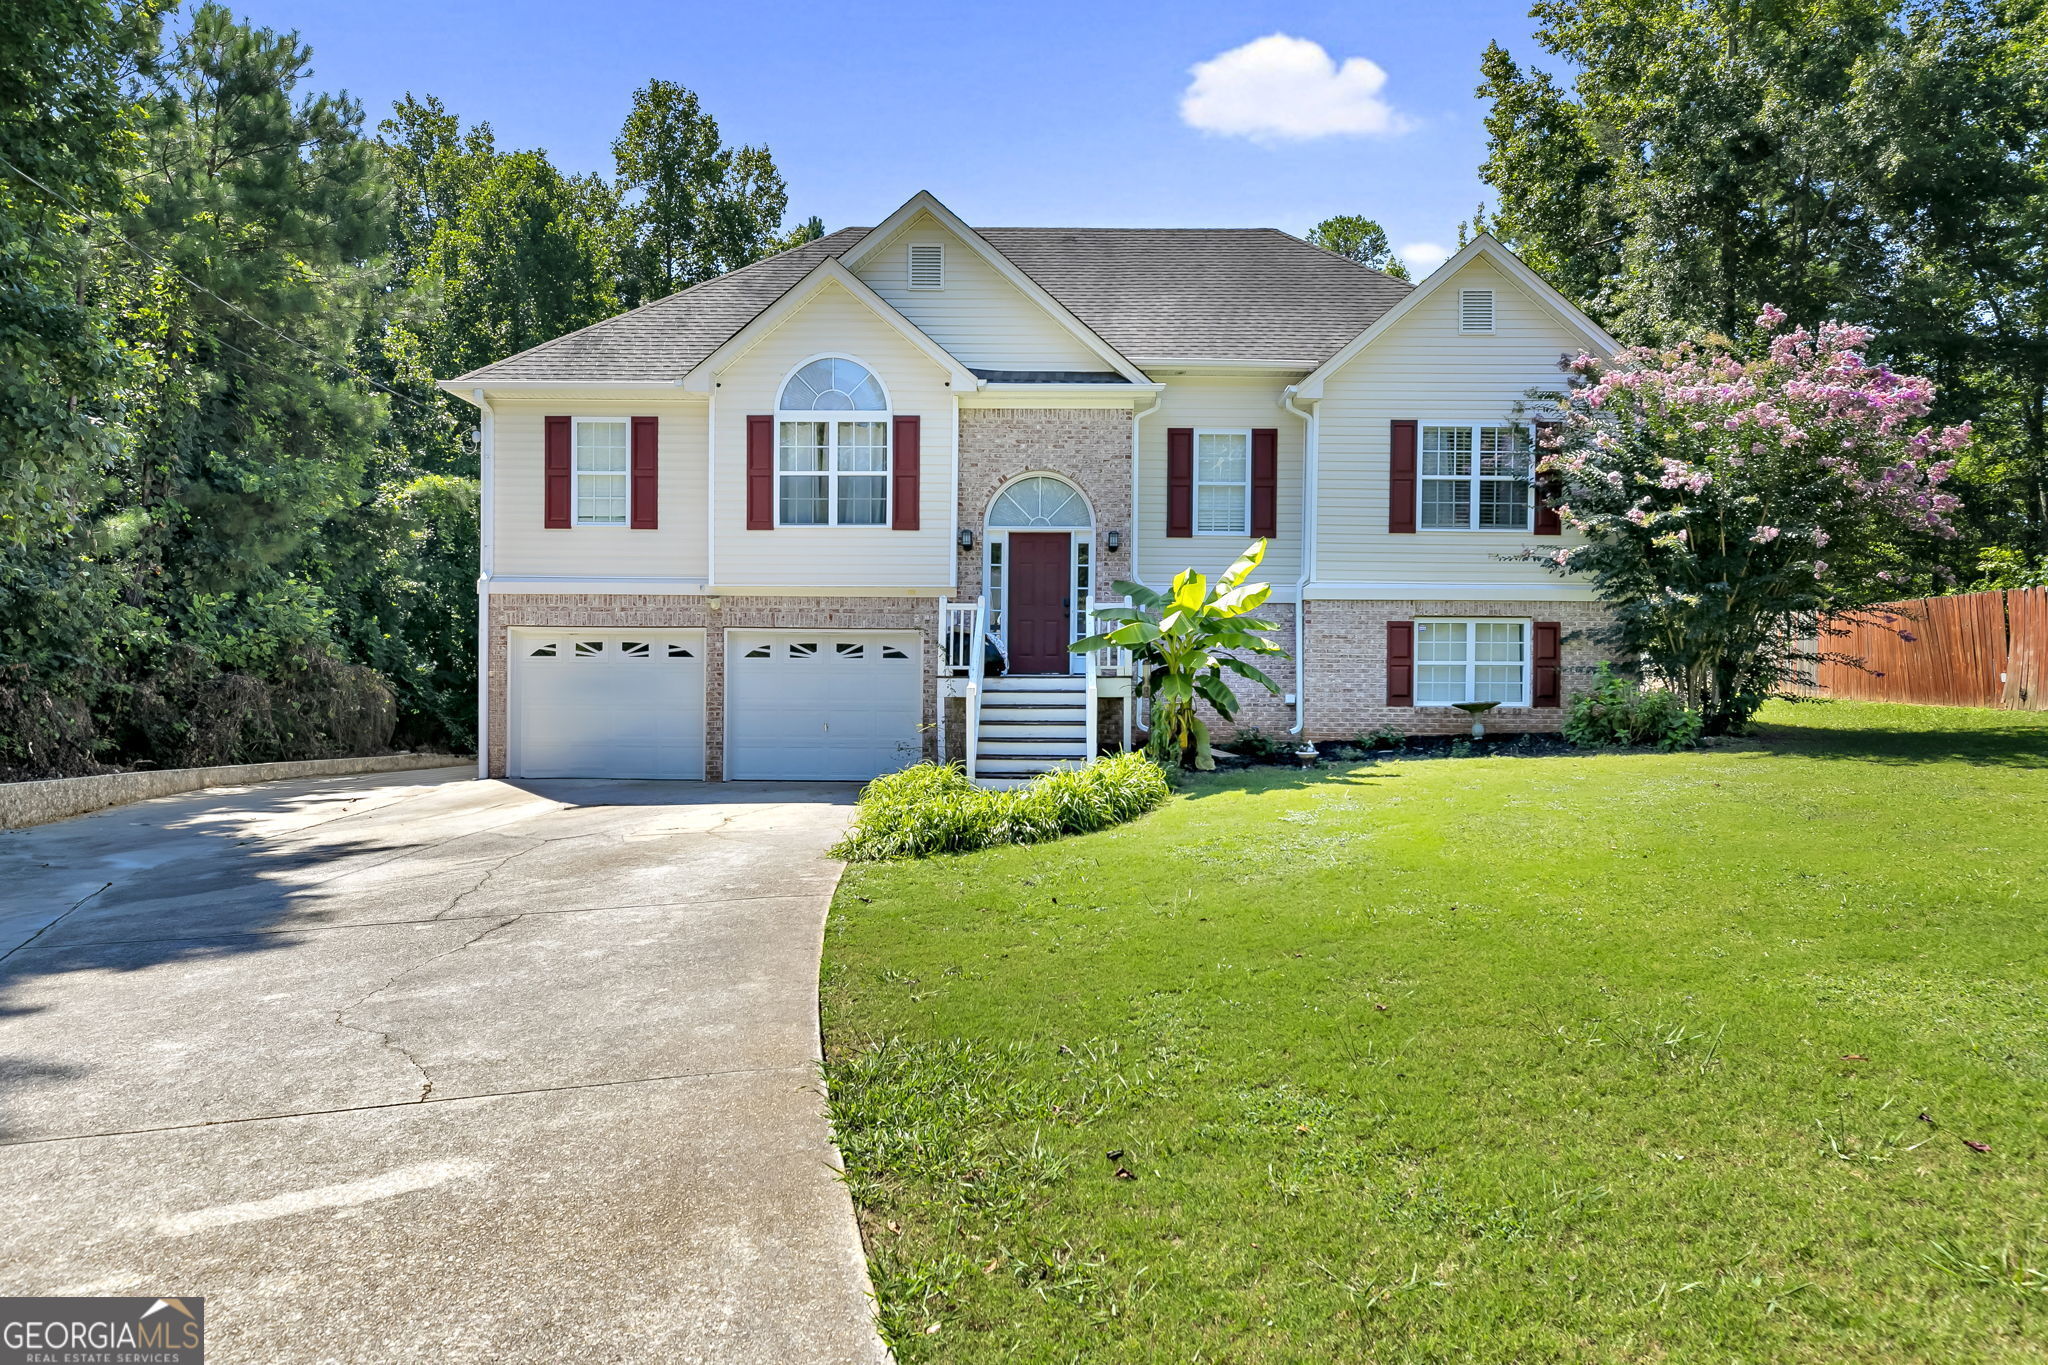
1310, 463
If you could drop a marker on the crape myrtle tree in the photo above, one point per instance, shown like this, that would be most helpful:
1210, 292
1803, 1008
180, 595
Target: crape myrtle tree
1728, 503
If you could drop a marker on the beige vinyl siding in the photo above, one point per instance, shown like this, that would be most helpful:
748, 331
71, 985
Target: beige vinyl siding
1224, 404
1424, 368
980, 317
522, 543
834, 322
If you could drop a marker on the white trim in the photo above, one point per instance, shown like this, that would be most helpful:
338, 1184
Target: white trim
1210, 362
1350, 591
571, 585
1521, 702
462, 388
1195, 482
703, 377
1509, 264
576, 521
487, 439
924, 202
711, 488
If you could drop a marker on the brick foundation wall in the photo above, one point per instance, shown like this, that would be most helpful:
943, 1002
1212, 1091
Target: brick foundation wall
1347, 667
625, 611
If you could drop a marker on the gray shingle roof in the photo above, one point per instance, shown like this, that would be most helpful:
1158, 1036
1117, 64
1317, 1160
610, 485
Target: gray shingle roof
665, 339
1251, 294
1203, 293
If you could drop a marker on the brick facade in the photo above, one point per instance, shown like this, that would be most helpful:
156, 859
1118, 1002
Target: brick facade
1347, 666
1090, 447
622, 611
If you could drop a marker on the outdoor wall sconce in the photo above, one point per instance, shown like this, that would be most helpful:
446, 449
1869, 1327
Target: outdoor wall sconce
1114, 541
966, 539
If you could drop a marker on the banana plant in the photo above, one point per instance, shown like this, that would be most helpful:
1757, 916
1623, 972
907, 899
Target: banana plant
1182, 640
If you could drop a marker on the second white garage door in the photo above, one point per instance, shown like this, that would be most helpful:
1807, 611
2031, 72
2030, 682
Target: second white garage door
832, 706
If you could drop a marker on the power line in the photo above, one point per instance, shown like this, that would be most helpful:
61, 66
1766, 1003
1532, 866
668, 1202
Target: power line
231, 306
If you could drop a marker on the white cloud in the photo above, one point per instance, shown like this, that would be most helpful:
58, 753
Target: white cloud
1283, 87
1423, 257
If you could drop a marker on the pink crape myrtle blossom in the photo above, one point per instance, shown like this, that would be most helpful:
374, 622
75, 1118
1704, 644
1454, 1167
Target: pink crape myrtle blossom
1701, 482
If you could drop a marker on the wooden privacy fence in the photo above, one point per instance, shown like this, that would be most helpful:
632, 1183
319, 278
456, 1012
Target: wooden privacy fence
1974, 649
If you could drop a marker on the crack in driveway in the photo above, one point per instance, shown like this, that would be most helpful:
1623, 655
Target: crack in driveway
385, 1036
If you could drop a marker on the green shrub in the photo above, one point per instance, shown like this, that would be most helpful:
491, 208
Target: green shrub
1258, 746
1618, 712
1386, 737
933, 808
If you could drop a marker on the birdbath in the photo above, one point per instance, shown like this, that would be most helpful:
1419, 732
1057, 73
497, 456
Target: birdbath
1477, 710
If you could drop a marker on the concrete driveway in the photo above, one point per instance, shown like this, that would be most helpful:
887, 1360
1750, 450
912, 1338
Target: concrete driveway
416, 1067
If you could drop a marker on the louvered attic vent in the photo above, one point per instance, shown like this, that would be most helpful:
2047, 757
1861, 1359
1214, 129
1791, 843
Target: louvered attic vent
1475, 310
927, 265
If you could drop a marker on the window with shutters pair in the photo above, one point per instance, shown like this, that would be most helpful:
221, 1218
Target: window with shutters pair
1441, 661
1222, 482
601, 471
1476, 476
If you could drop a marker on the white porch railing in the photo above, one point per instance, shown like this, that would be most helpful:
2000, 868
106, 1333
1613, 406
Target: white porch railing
960, 635
1111, 661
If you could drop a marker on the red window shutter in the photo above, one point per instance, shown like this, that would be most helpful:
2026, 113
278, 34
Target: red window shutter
646, 475
1266, 481
1401, 478
760, 473
1549, 488
1400, 663
1180, 481
903, 477
1545, 658
557, 480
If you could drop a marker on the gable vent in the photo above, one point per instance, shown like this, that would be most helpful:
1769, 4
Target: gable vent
1475, 310
927, 265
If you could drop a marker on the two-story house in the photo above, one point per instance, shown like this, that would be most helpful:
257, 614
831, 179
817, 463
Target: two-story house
846, 507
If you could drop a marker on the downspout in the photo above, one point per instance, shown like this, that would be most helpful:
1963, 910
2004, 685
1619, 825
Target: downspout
1137, 463
711, 491
1311, 441
487, 435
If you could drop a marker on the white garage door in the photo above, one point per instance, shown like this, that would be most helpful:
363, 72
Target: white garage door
830, 706
607, 703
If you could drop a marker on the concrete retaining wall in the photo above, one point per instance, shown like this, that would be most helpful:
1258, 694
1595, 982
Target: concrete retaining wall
36, 803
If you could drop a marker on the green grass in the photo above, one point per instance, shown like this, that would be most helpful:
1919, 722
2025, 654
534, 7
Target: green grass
1601, 1058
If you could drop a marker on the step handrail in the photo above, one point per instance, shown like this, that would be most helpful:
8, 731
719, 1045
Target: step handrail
1088, 748
976, 654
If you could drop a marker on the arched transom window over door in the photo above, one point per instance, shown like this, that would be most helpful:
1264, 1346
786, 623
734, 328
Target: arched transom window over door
831, 466
1040, 501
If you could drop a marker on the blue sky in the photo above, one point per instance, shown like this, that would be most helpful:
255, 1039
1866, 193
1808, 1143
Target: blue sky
1039, 113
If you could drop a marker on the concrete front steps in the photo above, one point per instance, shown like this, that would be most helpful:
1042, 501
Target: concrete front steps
1031, 725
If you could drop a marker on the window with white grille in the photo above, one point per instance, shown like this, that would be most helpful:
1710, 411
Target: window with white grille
927, 265
1483, 659
1475, 477
1475, 310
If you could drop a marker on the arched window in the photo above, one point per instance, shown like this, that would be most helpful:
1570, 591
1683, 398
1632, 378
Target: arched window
831, 470
1040, 500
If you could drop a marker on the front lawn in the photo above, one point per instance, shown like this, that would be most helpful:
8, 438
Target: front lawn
1604, 1057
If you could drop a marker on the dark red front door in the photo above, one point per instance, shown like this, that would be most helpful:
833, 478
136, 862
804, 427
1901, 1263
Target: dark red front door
1041, 582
